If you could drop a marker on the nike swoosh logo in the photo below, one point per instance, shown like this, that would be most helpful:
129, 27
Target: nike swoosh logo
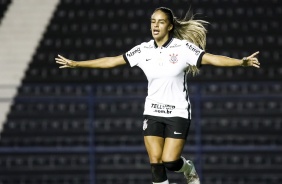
148, 59
177, 132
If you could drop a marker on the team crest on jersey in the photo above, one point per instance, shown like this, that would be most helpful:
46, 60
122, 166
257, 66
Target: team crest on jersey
173, 58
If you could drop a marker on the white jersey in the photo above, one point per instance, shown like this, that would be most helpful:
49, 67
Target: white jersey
166, 69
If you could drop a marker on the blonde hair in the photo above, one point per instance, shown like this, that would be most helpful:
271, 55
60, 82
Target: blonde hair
188, 29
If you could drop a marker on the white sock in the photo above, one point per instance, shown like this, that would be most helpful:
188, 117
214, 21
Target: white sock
185, 167
164, 182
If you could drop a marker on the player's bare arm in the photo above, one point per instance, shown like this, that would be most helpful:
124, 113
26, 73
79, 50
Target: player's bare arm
218, 60
106, 62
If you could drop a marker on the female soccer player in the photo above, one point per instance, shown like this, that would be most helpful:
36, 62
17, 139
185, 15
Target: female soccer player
176, 49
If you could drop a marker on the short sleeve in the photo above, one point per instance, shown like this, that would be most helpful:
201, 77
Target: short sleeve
133, 56
194, 54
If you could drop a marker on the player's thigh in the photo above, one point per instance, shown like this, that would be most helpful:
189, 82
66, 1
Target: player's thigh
154, 146
172, 149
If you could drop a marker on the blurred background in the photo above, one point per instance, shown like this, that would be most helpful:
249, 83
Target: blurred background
84, 126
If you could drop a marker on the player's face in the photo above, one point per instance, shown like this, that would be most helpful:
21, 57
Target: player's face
160, 26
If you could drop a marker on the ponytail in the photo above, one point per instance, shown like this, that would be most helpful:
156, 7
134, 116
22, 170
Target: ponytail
192, 31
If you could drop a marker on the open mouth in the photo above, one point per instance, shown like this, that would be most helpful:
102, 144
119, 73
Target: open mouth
155, 31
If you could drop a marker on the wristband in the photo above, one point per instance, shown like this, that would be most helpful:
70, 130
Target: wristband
245, 62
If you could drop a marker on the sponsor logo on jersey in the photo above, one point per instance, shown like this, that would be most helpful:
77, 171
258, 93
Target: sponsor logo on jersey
174, 46
193, 48
173, 58
132, 52
162, 108
149, 47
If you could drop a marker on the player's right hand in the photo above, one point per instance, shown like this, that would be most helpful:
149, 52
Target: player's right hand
64, 62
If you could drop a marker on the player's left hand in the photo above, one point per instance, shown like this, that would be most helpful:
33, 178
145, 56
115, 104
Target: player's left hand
251, 60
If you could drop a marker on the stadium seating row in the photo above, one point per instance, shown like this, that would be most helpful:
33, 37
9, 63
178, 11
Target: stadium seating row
132, 107
139, 161
133, 140
136, 179
43, 179
209, 125
72, 90
242, 178
241, 124
135, 74
139, 89
268, 56
44, 141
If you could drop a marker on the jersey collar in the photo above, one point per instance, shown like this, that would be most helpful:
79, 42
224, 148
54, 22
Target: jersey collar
166, 44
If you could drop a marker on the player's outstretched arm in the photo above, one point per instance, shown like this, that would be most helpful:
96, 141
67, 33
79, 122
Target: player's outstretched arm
218, 60
106, 62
